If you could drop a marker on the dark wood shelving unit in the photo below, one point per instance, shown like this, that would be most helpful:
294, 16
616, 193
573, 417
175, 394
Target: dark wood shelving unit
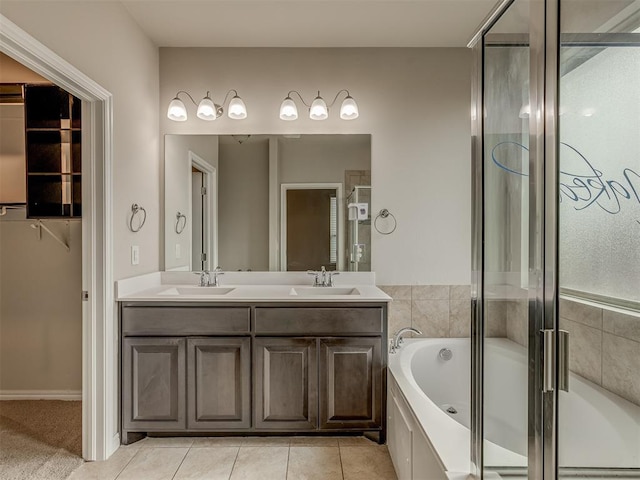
53, 152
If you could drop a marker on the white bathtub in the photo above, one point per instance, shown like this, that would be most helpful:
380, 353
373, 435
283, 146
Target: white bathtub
598, 428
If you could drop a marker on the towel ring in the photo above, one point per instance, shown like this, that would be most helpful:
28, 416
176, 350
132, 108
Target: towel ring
180, 216
384, 213
135, 209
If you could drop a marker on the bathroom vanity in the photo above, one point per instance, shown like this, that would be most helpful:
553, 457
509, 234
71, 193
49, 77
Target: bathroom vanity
253, 359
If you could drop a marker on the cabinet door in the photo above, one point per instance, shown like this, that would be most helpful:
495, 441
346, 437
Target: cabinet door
350, 383
286, 389
219, 379
399, 437
153, 387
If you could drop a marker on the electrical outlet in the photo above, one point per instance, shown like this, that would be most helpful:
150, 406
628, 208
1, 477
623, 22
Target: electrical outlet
178, 251
135, 254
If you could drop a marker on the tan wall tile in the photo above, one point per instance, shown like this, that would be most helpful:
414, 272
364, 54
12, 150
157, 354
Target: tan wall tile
621, 367
399, 315
517, 322
397, 292
431, 317
622, 325
581, 313
585, 350
430, 292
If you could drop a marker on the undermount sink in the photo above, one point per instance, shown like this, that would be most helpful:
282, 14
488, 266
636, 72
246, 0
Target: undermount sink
318, 291
200, 291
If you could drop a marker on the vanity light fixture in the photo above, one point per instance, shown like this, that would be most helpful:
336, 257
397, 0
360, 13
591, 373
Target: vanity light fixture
207, 109
318, 110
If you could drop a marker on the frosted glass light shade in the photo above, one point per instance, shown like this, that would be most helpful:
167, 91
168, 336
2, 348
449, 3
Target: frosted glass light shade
177, 111
206, 110
237, 109
525, 111
318, 110
349, 109
288, 110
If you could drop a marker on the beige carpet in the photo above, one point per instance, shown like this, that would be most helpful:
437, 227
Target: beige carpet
40, 439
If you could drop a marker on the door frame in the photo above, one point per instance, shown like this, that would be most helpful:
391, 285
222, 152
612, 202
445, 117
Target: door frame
100, 435
338, 187
211, 206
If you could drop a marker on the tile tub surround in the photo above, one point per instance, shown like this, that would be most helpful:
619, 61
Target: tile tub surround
439, 310
245, 458
604, 342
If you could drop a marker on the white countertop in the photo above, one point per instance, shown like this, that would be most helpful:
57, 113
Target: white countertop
279, 287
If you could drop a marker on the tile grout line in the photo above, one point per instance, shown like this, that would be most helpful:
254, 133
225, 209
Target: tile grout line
235, 460
286, 470
181, 462
340, 457
127, 464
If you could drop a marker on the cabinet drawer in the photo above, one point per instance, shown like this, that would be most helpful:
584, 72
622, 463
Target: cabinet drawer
318, 321
179, 321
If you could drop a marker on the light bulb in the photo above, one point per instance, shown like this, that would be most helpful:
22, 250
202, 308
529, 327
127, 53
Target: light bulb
237, 109
349, 109
206, 109
288, 110
177, 111
318, 110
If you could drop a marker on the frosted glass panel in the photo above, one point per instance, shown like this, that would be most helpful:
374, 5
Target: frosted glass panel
600, 173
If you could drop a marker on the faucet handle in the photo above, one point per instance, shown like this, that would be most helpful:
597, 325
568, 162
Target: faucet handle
204, 278
316, 277
330, 276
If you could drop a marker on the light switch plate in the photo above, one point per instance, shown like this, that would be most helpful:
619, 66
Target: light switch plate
178, 251
135, 254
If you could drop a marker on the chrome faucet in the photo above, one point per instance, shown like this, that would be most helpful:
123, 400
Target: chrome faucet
322, 278
205, 278
215, 281
397, 340
210, 279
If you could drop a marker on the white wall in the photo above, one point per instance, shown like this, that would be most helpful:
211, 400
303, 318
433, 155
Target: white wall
414, 103
102, 40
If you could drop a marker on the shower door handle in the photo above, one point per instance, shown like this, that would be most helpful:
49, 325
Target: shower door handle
551, 358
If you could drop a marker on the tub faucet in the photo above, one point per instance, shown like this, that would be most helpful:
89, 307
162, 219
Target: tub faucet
396, 341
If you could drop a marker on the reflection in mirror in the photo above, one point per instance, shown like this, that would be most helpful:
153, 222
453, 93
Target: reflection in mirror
239, 213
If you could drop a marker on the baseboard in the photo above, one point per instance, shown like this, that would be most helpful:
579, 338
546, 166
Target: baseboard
115, 444
40, 394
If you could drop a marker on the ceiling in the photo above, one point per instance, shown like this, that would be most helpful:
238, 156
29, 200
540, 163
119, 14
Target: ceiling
309, 23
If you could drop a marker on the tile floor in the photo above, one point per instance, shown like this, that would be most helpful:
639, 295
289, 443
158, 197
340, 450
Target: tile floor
244, 458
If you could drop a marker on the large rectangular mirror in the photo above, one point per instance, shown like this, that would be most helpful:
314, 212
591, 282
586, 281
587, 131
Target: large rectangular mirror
267, 202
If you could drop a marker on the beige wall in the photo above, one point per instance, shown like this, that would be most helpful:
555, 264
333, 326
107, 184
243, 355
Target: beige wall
177, 179
40, 306
414, 103
109, 47
243, 205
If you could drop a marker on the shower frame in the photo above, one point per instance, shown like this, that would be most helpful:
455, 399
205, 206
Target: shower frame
543, 275
543, 237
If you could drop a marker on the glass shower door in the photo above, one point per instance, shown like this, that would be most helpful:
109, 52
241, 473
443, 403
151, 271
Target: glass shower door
505, 239
599, 238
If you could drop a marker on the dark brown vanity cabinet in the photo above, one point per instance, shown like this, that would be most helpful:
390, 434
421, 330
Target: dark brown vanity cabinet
218, 383
351, 378
154, 382
286, 383
252, 368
